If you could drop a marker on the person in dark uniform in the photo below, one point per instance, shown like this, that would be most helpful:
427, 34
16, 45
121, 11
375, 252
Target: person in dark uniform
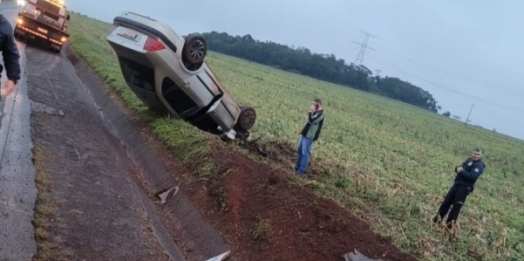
11, 56
467, 175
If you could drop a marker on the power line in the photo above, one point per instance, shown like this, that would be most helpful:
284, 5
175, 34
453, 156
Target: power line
448, 89
363, 46
467, 119
459, 76
360, 57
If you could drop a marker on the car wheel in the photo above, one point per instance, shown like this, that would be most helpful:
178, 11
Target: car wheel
247, 118
195, 49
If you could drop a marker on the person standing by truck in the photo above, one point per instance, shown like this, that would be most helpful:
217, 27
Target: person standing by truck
11, 56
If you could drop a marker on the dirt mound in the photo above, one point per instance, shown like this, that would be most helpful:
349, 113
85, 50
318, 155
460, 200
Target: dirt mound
266, 217
280, 152
286, 155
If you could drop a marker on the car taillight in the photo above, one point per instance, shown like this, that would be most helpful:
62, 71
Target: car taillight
152, 45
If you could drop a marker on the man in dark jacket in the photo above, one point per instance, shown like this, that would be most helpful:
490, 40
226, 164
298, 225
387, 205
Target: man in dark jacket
309, 134
467, 175
10, 55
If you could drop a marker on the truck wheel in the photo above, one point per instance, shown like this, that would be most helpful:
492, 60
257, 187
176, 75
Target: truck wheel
194, 50
55, 49
17, 35
247, 118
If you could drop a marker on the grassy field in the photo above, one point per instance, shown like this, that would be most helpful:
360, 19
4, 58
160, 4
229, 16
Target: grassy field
386, 157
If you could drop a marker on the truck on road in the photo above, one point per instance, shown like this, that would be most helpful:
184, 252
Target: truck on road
44, 20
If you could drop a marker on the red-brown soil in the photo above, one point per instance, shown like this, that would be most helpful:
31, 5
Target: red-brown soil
262, 214
267, 217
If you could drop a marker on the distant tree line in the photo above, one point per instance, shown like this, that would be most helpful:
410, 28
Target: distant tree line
319, 66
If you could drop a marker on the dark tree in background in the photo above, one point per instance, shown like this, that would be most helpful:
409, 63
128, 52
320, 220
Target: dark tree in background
320, 66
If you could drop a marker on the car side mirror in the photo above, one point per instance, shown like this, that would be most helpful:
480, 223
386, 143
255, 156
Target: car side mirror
68, 17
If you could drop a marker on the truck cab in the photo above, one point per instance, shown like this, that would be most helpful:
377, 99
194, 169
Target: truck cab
44, 20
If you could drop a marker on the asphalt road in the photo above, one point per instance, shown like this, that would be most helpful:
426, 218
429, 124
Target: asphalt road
105, 212
17, 174
105, 221
102, 213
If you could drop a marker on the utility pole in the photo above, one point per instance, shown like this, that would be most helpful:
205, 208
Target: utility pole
363, 46
465, 123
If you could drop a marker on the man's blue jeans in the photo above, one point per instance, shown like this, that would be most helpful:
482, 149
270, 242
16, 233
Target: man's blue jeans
304, 149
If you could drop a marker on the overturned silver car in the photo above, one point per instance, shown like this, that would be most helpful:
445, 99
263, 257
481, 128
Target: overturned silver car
168, 73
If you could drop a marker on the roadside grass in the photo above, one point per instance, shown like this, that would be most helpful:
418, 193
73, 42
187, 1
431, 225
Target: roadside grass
388, 162
45, 208
260, 229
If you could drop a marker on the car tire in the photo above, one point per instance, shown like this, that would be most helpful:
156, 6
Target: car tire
247, 118
194, 50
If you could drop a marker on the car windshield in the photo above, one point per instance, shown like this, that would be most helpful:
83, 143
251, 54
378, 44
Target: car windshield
48, 9
177, 98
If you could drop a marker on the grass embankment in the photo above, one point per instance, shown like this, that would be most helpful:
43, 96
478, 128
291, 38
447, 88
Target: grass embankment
386, 157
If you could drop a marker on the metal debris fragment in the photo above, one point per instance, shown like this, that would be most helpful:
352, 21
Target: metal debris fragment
357, 256
164, 196
220, 257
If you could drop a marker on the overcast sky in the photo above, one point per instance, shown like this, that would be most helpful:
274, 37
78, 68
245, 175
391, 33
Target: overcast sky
463, 52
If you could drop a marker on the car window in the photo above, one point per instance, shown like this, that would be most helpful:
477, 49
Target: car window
138, 74
181, 103
50, 10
